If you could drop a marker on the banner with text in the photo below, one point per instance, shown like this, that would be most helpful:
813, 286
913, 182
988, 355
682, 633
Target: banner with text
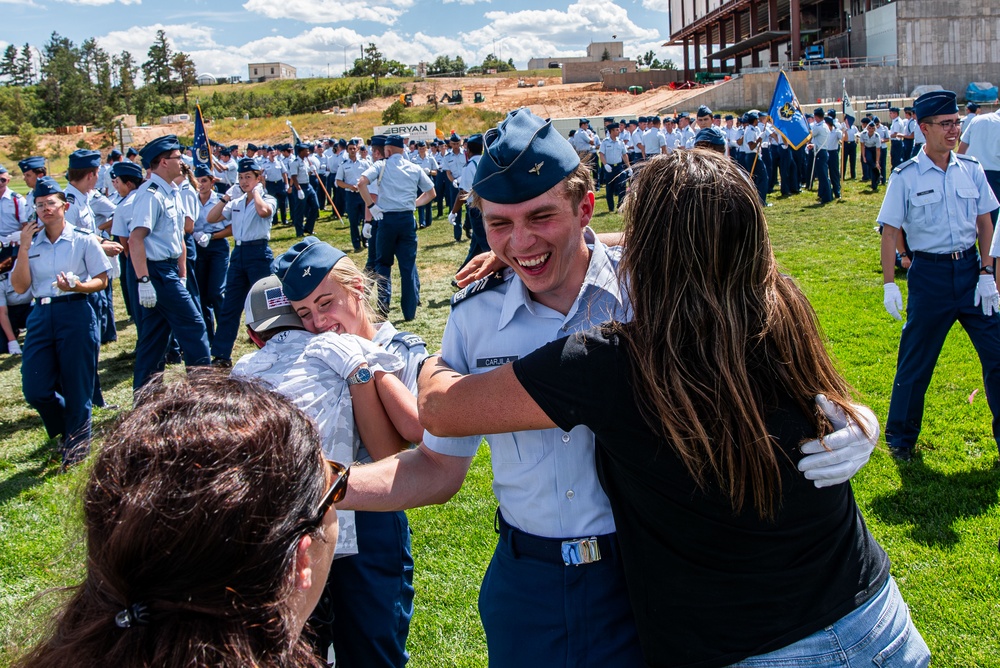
416, 131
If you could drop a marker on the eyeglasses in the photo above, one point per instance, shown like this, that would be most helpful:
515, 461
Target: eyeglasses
336, 493
4, 180
945, 125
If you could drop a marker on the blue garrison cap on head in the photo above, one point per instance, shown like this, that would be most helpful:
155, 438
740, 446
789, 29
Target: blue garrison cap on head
584, 121
894, 109
524, 157
819, 111
378, 141
304, 266
475, 140
712, 135
703, 110
717, 117
935, 103
201, 170
395, 140
46, 186
299, 146
3, 170
156, 147
129, 152
224, 152
126, 168
84, 159
33, 162
633, 122
246, 165
729, 117
454, 137
251, 147
115, 153
342, 143
972, 106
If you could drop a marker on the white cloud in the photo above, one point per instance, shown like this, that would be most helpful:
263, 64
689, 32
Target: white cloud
465, 2
331, 11
657, 5
94, 3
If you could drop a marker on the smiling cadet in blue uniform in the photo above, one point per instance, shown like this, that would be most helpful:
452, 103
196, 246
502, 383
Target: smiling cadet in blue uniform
943, 202
399, 181
250, 216
156, 249
61, 265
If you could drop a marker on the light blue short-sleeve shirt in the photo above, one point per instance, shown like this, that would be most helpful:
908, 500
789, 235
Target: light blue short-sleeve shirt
74, 251
159, 209
247, 224
398, 181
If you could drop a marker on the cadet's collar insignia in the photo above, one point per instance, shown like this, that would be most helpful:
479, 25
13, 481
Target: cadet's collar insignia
537, 169
306, 272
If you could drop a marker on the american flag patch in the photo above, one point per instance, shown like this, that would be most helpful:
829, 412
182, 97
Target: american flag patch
275, 297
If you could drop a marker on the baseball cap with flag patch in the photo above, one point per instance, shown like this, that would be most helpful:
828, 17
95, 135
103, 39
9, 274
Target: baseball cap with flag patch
267, 307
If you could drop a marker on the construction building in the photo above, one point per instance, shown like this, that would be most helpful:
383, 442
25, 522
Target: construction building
596, 52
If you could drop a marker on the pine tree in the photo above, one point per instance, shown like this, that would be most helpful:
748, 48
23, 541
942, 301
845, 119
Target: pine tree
156, 70
8, 66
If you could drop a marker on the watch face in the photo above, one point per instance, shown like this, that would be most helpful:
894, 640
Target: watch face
362, 375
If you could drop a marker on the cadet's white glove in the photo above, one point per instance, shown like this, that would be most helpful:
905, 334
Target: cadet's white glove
455, 183
301, 194
366, 230
846, 450
608, 168
628, 171
13, 348
892, 299
11, 239
203, 239
453, 218
986, 292
147, 295
234, 191
377, 211
343, 354
259, 188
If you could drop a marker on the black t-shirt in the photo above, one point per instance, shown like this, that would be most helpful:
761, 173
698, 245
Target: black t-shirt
708, 587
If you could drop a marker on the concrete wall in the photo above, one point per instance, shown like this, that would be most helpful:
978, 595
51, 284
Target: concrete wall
648, 79
938, 33
754, 91
588, 72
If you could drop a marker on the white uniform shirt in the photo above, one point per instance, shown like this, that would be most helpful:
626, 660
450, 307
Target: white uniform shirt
983, 137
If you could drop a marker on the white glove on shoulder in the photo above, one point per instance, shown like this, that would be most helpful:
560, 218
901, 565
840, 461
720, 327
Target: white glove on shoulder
203, 239
378, 358
147, 295
377, 211
453, 218
13, 347
366, 230
986, 294
838, 456
234, 191
892, 299
608, 168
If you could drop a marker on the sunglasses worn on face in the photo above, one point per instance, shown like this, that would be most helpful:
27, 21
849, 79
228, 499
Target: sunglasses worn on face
335, 494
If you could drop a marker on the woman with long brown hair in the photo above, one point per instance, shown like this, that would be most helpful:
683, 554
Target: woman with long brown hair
209, 534
699, 405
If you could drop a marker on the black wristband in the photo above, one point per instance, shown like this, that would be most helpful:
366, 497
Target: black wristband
420, 364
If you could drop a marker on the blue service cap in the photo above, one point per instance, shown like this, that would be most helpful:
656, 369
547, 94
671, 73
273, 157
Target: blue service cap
378, 141
126, 168
394, 140
423, 144
729, 117
524, 157
129, 152
299, 146
46, 186
201, 170
454, 137
935, 103
304, 266
246, 165
703, 110
475, 140
84, 159
712, 135
33, 162
251, 147
819, 111
633, 122
158, 146
972, 106
894, 109
115, 153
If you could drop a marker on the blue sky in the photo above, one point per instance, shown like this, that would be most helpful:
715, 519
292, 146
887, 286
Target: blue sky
315, 35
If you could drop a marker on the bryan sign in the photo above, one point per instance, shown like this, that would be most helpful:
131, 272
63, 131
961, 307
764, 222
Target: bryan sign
416, 131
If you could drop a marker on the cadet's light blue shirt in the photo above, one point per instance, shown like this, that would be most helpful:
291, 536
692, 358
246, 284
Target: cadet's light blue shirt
201, 224
453, 162
468, 176
9, 222
545, 481
79, 214
247, 225
937, 209
351, 170
74, 251
612, 150
123, 215
398, 180
274, 170
159, 209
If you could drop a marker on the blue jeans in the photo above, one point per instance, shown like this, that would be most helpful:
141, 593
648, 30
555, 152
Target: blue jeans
879, 633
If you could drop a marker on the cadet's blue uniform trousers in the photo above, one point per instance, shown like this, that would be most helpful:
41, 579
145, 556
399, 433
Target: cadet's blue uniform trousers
397, 236
354, 207
210, 272
304, 211
174, 313
478, 243
276, 189
250, 262
59, 367
941, 291
822, 171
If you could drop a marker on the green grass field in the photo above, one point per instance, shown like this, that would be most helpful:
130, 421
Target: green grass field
938, 517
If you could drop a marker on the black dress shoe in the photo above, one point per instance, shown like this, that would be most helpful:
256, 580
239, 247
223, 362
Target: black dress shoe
220, 363
901, 454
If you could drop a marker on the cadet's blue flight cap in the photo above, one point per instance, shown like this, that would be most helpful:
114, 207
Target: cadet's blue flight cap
156, 147
712, 135
246, 165
202, 170
84, 159
378, 141
33, 162
46, 186
126, 168
129, 152
524, 157
935, 103
394, 140
115, 153
304, 266
703, 111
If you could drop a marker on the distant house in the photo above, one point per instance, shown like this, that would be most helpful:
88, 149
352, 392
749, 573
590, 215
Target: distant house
596, 52
206, 80
270, 71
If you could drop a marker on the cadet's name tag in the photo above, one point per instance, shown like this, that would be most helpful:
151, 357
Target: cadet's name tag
489, 362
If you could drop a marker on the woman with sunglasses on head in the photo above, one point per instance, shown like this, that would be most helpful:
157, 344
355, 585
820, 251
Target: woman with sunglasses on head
699, 406
371, 592
209, 527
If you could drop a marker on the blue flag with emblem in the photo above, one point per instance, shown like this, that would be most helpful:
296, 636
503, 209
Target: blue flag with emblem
200, 150
295, 135
787, 114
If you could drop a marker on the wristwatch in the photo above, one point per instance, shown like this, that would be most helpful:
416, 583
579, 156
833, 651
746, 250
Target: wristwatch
360, 377
987, 270
144, 279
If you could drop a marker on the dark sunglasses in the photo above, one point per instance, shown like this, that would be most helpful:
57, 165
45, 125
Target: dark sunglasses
335, 494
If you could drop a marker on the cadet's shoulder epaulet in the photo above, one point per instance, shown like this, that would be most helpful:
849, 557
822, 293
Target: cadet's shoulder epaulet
152, 187
482, 285
964, 156
70, 198
903, 165
409, 339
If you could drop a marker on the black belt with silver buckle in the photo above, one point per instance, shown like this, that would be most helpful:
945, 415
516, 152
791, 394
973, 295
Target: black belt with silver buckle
945, 257
45, 301
255, 242
569, 552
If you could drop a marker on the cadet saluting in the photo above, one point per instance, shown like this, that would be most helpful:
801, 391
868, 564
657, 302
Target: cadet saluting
60, 266
943, 202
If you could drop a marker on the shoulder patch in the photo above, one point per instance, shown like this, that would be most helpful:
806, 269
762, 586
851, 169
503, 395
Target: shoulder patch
963, 156
904, 165
152, 187
71, 198
409, 339
472, 289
